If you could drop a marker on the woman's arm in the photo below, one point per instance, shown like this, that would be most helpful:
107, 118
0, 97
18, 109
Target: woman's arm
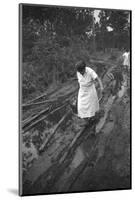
100, 83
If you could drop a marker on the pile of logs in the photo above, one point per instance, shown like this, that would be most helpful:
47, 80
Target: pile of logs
49, 178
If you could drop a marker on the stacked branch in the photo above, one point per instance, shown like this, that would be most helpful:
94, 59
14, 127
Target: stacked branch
45, 95
43, 118
31, 122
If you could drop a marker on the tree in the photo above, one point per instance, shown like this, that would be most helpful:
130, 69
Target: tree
119, 22
103, 24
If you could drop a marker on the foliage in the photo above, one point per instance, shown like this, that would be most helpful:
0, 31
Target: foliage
119, 22
52, 61
54, 38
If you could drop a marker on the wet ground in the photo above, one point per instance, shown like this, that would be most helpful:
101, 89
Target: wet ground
76, 160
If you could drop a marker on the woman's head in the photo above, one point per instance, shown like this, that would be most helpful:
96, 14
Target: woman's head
80, 66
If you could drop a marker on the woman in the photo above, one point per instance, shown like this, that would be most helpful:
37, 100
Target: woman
88, 103
126, 59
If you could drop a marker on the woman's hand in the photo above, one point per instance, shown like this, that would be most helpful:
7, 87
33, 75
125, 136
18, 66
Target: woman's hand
101, 89
101, 85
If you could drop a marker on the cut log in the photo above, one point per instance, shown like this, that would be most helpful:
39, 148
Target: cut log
39, 103
43, 118
46, 94
48, 101
37, 98
31, 119
43, 95
102, 121
92, 61
45, 143
74, 141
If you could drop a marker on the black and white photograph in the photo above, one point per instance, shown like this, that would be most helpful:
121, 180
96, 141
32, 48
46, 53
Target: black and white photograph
74, 99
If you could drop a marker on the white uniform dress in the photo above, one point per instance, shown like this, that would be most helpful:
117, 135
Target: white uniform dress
88, 102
